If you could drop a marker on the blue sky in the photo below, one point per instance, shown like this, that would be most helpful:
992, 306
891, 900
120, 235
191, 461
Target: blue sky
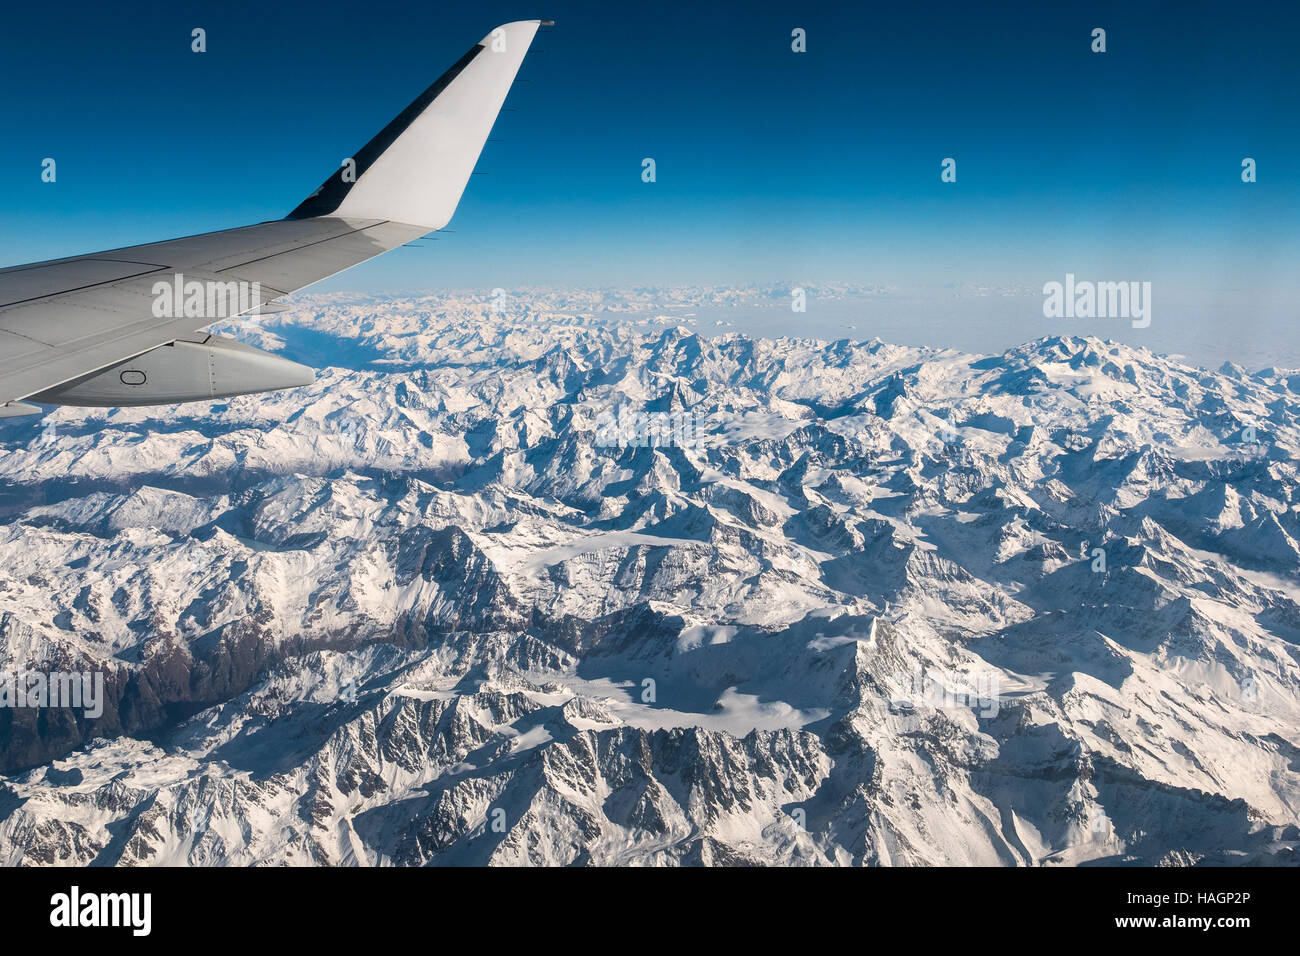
772, 166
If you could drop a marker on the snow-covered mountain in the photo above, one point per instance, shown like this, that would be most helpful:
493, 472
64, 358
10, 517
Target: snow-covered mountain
512, 585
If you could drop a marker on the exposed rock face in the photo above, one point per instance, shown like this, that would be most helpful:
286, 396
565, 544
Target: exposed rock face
868, 605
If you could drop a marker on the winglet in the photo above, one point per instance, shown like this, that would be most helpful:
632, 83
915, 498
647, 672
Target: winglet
416, 168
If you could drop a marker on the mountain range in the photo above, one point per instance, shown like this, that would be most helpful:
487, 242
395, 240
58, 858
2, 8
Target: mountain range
520, 580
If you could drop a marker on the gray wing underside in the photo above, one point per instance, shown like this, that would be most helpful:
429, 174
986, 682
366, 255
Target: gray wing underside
64, 318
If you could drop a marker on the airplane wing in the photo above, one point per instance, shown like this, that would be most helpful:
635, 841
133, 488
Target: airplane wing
69, 325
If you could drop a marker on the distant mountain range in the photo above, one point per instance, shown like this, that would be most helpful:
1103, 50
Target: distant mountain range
508, 585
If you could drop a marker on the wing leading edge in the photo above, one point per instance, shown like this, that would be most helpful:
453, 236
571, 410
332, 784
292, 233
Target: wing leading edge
67, 319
